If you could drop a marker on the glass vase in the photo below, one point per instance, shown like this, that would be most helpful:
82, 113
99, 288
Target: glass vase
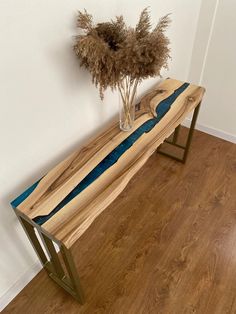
127, 100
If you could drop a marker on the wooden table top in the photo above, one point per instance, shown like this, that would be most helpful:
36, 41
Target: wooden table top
69, 197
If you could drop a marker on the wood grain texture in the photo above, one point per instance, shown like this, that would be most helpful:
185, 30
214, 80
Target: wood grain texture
166, 245
68, 220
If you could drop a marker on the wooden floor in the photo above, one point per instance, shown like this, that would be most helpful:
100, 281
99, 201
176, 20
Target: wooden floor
166, 245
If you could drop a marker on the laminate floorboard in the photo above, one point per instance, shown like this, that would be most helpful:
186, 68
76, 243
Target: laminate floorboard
166, 245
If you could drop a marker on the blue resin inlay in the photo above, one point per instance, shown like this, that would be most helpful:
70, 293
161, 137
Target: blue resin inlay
24, 195
113, 156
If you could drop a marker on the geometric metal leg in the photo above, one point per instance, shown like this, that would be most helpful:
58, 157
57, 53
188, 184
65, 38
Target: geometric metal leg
174, 141
53, 266
53, 256
72, 271
30, 232
190, 133
176, 134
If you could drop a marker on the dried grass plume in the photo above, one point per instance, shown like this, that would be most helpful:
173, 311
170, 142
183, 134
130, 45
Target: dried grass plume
112, 51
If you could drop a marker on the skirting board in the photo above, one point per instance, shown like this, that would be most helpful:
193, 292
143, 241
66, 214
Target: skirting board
10, 294
212, 131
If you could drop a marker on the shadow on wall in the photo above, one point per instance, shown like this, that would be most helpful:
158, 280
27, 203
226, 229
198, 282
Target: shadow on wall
67, 66
11, 236
77, 81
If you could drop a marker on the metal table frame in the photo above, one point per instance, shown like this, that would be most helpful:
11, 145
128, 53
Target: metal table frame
174, 142
61, 267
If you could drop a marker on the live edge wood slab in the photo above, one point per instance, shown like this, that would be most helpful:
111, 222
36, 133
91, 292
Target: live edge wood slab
63, 204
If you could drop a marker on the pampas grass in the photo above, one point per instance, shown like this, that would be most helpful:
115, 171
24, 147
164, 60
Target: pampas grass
119, 56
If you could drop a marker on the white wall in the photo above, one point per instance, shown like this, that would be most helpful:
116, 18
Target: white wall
49, 106
214, 64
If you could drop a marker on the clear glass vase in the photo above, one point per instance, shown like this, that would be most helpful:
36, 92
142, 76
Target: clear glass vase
127, 100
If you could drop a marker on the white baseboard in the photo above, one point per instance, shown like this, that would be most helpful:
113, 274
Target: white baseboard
212, 131
11, 293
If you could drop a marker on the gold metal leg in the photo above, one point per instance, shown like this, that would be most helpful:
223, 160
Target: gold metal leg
49, 246
174, 141
191, 130
176, 134
53, 265
70, 265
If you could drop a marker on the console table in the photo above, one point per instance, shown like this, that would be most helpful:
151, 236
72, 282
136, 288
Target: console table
63, 204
